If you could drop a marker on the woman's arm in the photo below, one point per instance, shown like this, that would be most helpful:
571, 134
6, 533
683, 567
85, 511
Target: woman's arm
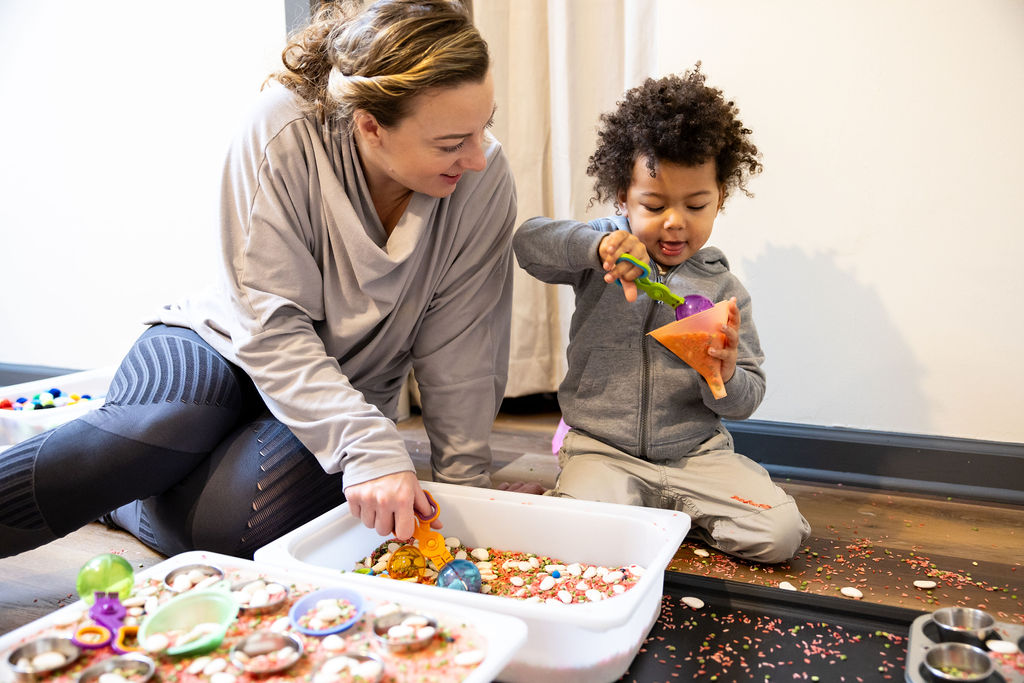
461, 352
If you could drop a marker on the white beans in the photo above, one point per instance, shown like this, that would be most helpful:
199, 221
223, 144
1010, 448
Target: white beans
469, 658
48, 660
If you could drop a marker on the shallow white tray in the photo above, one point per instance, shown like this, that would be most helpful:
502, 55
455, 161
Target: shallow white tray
504, 634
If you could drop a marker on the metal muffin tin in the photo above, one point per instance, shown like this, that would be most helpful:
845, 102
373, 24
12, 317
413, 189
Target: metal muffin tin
924, 636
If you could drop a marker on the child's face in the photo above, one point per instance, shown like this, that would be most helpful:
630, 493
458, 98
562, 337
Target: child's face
673, 212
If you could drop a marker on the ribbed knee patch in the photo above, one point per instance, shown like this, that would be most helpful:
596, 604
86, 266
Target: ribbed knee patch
145, 531
18, 508
173, 369
293, 489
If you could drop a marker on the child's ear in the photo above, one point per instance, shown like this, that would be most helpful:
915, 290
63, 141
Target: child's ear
721, 197
620, 206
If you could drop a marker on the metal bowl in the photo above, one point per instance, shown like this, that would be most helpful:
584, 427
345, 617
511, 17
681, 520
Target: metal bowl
42, 656
958, 662
361, 667
241, 591
403, 632
264, 652
200, 574
133, 667
963, 624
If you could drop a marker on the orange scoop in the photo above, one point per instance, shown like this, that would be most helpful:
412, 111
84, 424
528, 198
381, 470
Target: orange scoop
431, 542
690, 338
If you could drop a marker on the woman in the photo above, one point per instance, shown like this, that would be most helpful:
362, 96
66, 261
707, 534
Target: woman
366, 219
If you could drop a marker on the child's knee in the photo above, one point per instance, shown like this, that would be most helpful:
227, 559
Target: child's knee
590, 477
769, 536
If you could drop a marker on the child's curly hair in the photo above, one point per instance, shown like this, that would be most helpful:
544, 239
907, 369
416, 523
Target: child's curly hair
676, 119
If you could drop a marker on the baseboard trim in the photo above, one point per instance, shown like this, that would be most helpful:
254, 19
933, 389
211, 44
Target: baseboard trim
941, 466
934, 465
13, 373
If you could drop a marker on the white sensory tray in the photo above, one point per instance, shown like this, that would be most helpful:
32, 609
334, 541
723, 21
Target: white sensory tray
579, 642
18, 425
504, 634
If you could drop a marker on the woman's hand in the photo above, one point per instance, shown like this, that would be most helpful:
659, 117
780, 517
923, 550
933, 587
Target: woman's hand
727, 353
387, 504
612, 246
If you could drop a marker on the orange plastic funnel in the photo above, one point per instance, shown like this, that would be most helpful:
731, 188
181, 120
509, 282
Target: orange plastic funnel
690, 339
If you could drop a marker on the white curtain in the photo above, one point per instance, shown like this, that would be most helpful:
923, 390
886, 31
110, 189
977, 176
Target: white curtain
558, 64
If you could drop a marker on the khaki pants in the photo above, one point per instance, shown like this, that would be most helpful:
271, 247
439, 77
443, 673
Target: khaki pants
732, 500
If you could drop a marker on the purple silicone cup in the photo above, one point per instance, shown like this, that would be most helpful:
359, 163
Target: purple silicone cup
693, 304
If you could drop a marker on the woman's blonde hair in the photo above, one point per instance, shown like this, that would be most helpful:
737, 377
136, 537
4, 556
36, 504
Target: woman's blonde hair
379, 58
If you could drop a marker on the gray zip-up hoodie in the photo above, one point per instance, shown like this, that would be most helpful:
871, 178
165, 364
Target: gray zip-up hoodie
327, 313
622, 386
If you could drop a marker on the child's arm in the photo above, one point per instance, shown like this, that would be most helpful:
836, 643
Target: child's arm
559, 252
613, 245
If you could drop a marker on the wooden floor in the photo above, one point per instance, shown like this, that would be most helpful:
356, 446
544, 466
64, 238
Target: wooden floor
876, 541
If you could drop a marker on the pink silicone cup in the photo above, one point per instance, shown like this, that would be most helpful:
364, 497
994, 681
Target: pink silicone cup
689, 339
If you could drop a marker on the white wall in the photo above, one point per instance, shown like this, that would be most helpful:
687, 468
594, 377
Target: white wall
883, 249
884, 246
116, 116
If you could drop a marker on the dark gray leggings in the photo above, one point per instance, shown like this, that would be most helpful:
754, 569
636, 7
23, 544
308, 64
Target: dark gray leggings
183, 452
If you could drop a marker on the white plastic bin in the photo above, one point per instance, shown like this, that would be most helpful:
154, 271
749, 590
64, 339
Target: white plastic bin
18, 425
579, 642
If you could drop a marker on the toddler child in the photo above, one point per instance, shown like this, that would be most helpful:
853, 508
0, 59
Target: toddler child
646, 429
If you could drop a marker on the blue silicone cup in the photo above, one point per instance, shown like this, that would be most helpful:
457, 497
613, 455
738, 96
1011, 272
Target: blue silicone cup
308, 602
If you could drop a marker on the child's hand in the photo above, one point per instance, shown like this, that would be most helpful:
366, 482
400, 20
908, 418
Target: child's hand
614, 245
727, 353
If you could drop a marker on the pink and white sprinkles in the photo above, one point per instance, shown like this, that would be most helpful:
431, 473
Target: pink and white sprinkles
526, 576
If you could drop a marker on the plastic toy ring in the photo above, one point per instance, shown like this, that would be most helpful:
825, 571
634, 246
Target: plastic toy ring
435, 509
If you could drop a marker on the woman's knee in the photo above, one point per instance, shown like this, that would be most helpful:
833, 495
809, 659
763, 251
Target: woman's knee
171, 378
175, 365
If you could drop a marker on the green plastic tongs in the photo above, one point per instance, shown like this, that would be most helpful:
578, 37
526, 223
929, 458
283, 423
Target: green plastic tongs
683, 306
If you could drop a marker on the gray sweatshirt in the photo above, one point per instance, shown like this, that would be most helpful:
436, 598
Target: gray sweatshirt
327, 313
622, 386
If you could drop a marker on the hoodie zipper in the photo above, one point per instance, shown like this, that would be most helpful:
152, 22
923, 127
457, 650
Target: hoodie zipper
646, 390
645, 381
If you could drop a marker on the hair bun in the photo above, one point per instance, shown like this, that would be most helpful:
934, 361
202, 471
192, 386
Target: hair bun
337, 84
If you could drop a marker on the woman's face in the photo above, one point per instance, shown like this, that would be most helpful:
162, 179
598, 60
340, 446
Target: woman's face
430, 149
673, 212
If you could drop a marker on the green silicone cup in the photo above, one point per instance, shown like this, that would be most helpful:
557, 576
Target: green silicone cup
187, 611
